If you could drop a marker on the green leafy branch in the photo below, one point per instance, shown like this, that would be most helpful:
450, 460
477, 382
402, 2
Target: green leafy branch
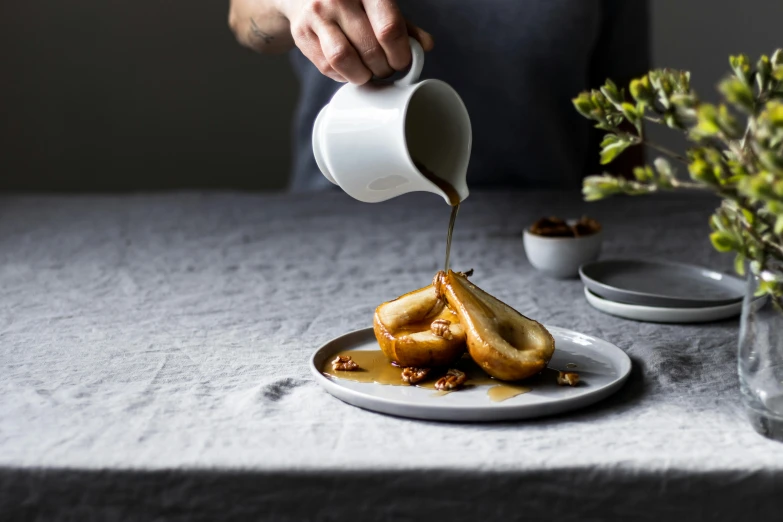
736, 152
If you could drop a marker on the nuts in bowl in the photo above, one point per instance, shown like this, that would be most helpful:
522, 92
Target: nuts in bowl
558, 247
556, 227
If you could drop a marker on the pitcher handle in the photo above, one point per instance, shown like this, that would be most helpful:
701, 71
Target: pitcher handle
417, 62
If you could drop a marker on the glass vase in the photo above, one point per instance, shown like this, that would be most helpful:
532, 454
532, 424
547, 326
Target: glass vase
761, 358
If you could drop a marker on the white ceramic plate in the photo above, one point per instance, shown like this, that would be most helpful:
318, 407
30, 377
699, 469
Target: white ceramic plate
602, 367
655, 314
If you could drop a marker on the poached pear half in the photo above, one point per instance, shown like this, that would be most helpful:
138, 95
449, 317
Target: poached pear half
418, 329
506, 344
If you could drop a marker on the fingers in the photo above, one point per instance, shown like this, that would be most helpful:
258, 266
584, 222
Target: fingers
352, 40
390, 30
354, 23
307, 42
341, 55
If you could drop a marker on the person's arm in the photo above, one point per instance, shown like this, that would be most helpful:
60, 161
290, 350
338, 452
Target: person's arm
259, 25
622, 53
348, 40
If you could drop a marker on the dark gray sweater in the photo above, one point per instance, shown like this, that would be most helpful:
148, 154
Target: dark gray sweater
516, 64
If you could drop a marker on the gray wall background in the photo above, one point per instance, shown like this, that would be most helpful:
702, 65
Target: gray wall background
129, 95
699, 36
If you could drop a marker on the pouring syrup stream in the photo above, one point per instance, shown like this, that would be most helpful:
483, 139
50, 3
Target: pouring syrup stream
454, 201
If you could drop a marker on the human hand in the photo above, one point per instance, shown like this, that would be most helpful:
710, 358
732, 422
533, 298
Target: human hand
352, 40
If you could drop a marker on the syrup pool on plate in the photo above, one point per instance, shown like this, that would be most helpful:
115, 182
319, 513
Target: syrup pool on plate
376, 368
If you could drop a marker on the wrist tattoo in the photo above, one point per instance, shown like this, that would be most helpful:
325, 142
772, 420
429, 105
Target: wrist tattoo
258, 34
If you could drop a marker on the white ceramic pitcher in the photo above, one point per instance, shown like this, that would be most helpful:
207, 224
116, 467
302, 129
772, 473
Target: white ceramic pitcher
368, 137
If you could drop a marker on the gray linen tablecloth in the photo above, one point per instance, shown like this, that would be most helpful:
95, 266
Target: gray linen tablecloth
153, 365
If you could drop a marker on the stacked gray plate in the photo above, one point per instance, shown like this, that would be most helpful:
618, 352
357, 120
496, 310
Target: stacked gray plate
661, 292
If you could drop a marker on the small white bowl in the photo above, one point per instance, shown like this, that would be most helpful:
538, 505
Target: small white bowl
561, 257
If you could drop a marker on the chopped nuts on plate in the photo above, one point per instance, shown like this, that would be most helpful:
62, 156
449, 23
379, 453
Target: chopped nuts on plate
379, 387
344, 364
567, 378
453, 380
413, 375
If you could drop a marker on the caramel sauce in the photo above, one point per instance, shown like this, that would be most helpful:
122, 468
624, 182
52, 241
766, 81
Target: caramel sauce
506, 391
442, 184
376, 368
453, 218
454, 201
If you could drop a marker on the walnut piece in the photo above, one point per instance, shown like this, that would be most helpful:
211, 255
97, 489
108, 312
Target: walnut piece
453, 380
556, 227
567, 378
586, 226
344, 363
413, 375
551, 227
440, 327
